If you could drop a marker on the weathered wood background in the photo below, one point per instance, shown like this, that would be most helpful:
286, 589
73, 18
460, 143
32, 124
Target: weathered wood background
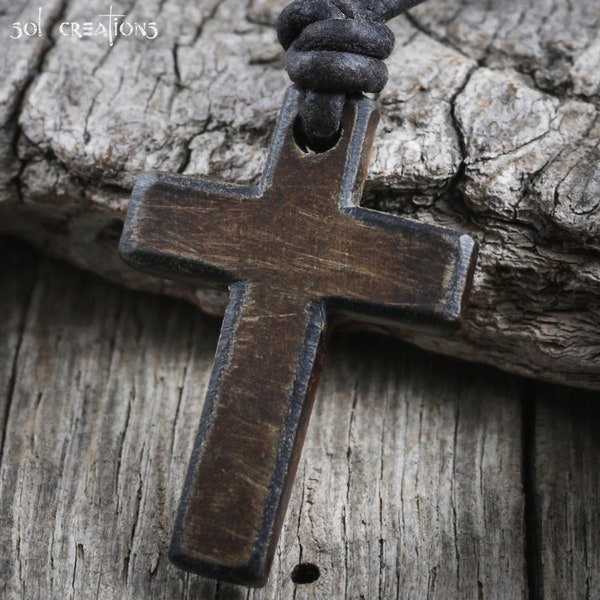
421, 477
489, 125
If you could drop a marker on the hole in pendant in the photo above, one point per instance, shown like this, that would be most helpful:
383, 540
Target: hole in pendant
316, 146
305, 573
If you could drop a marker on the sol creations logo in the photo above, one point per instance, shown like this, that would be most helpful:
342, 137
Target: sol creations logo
110, 26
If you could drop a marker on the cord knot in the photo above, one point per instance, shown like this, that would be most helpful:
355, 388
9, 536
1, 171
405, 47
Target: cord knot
335, 48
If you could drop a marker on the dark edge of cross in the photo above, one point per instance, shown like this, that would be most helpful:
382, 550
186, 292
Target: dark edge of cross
193, 552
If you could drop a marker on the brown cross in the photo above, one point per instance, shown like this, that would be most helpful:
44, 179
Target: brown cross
294, 251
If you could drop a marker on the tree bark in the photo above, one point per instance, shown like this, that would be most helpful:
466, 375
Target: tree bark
489, 125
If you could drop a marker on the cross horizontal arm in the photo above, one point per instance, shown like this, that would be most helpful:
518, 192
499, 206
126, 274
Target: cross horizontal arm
406, 271
184, 228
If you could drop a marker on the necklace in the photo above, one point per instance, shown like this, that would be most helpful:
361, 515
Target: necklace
295, 252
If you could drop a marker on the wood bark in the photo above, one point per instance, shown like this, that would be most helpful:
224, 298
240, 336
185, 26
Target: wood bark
467, 484
489, 125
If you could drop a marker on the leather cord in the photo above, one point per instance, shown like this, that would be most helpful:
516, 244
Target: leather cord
335, 48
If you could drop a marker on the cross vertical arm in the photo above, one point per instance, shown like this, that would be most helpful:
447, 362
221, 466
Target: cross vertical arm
252, 429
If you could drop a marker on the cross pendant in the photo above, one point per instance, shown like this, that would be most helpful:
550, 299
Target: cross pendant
295, 252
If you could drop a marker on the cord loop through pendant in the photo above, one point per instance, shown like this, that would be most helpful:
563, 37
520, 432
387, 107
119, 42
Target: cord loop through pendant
335, 48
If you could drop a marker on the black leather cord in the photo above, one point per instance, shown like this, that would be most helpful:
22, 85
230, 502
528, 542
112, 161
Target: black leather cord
335, 48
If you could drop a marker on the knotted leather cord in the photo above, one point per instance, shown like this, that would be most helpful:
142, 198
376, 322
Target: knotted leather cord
335, 48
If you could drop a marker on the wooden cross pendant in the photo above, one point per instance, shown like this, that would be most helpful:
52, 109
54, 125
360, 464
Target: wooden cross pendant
294, 251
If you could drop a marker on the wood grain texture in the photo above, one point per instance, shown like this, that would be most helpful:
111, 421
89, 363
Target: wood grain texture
564, 468
489, 125
420, 475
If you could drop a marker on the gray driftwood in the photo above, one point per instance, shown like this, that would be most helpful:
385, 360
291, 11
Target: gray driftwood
489, 125
468, 484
